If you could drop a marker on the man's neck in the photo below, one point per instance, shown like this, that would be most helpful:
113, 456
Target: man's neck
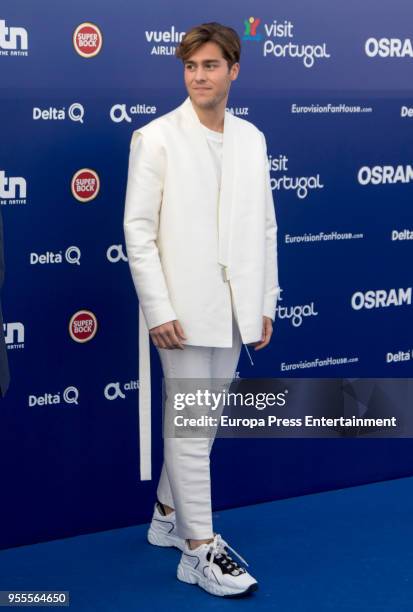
212, 118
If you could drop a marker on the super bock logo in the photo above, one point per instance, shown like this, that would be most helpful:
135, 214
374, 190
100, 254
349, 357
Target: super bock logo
83, 326
87, 40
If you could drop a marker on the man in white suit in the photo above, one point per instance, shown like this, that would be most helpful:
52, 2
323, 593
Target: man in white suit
200, 233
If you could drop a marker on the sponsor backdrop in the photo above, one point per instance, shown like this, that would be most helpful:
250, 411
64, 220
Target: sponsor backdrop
330, 86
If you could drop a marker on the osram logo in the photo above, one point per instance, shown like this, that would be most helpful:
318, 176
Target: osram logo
388, 47
13, 189
14, 335
380, 175
13, 40
381, 298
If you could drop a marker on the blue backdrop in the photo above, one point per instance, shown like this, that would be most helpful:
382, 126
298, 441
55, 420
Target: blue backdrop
330, 86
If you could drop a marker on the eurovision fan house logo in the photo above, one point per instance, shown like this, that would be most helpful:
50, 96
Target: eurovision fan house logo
278, 41
87, 40
83, 326
85, 185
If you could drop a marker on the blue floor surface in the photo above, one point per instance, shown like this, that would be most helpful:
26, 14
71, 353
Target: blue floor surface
350, 549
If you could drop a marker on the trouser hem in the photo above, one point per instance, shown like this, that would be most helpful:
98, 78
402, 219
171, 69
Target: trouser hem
196, 536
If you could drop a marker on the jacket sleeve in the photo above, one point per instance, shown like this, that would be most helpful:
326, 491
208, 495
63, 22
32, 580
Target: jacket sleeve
141, 221
272, 289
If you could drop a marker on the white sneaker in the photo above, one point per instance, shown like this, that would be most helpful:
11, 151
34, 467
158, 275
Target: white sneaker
162, 530
211, 567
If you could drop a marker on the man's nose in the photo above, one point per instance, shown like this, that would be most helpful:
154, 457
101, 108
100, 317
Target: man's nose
200, 74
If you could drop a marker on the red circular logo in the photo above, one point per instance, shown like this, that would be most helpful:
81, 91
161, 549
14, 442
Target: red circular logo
85, 185
83, 326
87, 39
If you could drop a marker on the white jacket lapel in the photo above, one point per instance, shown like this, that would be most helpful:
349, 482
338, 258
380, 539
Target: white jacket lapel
199, 146
225, 191
226, 196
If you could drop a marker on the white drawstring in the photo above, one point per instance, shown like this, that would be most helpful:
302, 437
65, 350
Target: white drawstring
215, 546
246, 347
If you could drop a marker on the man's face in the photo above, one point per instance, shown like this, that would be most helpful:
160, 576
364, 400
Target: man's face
207, 77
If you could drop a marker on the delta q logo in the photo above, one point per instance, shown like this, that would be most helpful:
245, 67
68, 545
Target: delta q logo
250, 31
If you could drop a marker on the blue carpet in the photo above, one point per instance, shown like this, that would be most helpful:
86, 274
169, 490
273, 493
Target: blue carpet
349, 549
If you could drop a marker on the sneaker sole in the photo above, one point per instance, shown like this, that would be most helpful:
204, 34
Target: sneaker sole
185, 574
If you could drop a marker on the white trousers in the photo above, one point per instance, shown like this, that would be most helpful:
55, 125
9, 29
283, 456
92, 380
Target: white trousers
185, 482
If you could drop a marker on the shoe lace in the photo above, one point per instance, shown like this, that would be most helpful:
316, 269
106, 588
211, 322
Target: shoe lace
217, 548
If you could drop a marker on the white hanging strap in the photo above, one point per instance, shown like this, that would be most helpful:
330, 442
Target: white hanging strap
246, 348
144, 400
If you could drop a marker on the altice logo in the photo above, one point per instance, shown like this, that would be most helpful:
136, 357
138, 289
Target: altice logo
250, 31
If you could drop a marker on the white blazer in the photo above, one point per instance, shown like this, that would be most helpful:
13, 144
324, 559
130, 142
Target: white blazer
188, 238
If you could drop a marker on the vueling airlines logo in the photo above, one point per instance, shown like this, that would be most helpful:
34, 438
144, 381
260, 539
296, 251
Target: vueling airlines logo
250, 31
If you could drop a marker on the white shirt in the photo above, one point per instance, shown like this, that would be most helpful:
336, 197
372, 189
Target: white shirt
215, 140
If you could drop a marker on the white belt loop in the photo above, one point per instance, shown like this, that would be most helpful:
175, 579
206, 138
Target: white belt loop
144, 400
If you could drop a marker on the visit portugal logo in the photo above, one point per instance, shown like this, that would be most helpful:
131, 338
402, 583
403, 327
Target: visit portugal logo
250, 31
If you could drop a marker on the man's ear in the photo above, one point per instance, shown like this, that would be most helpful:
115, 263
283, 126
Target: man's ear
234, 70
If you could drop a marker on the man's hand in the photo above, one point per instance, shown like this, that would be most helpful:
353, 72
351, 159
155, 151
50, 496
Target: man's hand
168, 335
266, 334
